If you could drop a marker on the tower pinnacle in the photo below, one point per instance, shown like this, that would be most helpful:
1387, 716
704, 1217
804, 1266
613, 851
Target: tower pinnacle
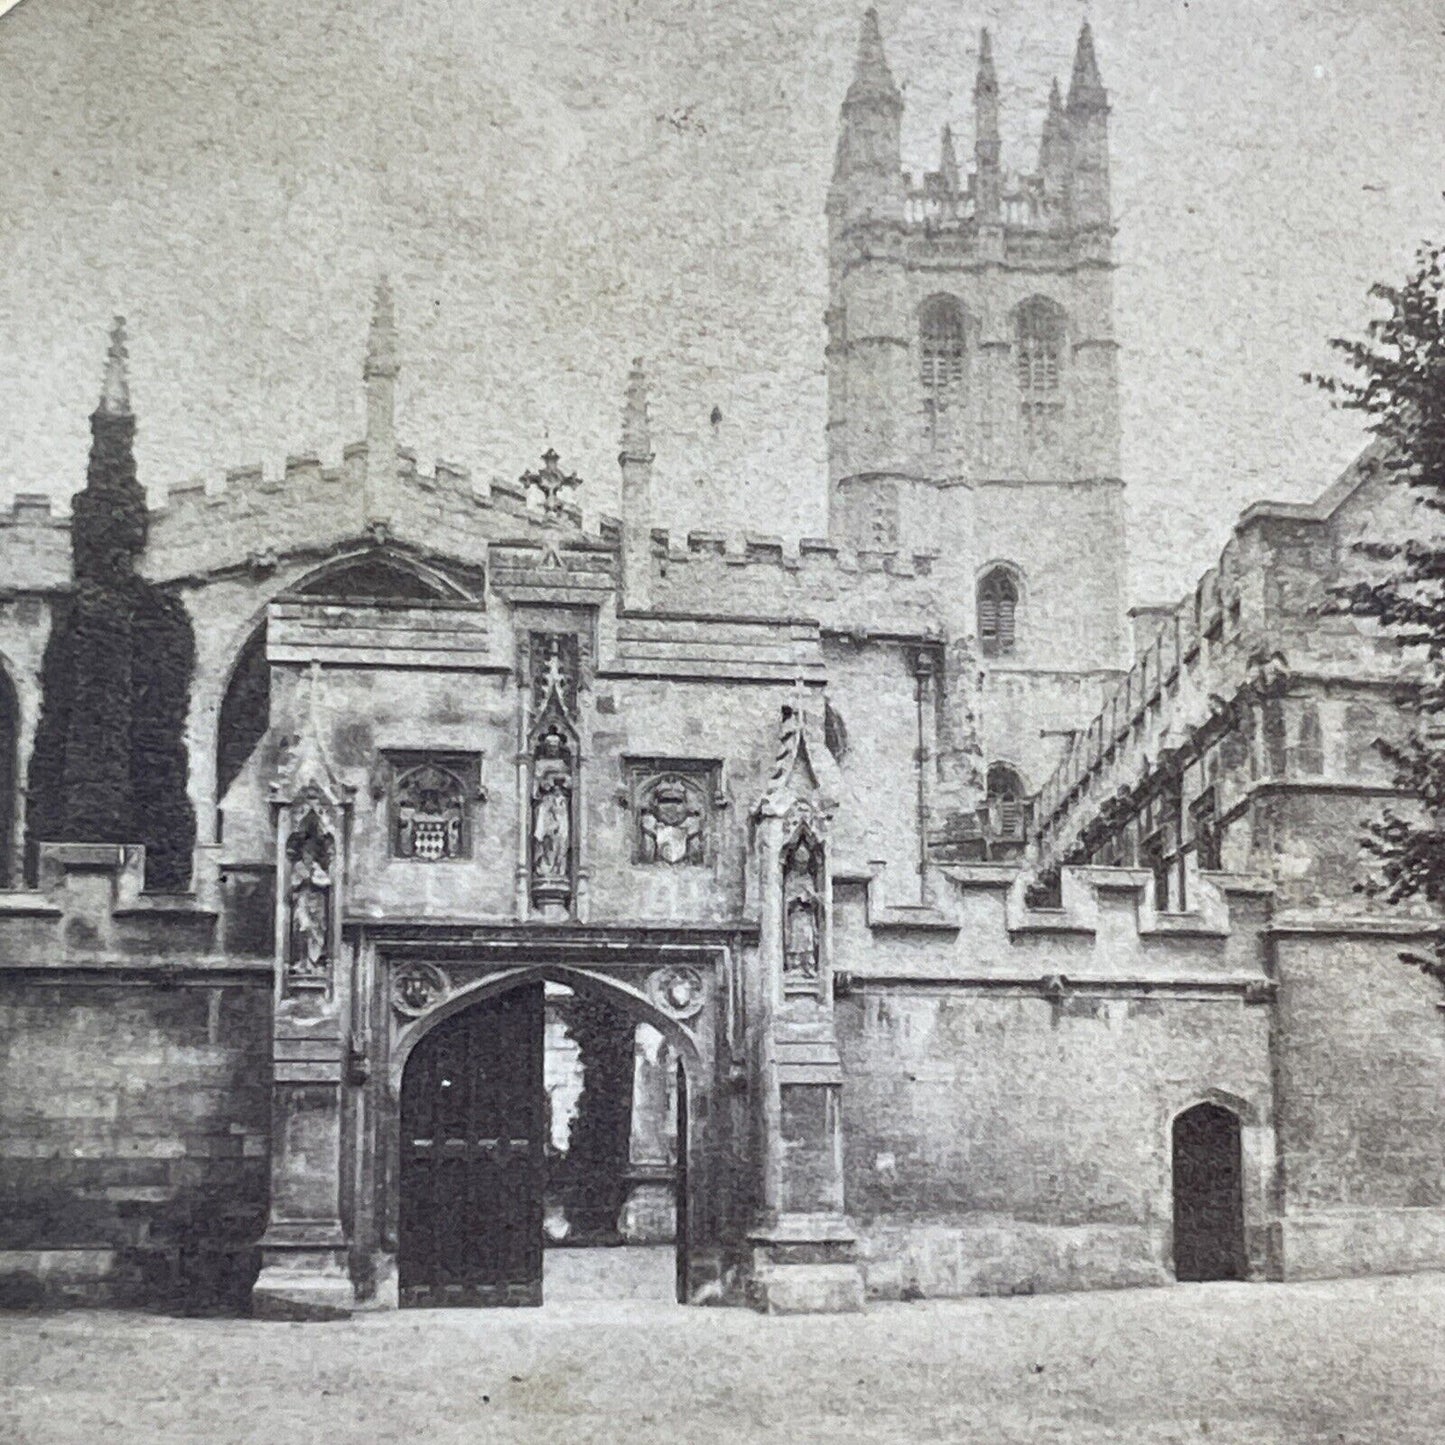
986, 142
948, 160
381, 342
872, 79
1086, 89
115, 389
636, 425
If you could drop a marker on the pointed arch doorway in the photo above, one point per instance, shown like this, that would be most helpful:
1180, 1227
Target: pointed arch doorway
1208, 1194
477, 1164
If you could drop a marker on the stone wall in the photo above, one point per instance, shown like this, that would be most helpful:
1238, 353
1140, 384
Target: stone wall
1360, 1055
134, 1134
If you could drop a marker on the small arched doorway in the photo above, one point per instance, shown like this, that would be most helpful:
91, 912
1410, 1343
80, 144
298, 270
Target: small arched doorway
542, 1122
1208, 1194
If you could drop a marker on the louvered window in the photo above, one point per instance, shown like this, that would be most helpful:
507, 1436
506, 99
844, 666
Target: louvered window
1039, 355
942, 349
1008, 808
997, 614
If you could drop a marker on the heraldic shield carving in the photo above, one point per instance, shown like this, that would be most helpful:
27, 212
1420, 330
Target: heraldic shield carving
673, 805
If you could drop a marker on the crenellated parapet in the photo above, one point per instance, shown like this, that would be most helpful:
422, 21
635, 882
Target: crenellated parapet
1257, 627
767, 576
34, 546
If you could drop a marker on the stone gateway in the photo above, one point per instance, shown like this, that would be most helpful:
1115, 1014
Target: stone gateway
878, 915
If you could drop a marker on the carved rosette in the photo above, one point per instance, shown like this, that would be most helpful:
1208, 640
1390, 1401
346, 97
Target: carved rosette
678, 990
417, 988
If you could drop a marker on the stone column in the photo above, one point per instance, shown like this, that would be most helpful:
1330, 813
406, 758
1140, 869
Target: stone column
649, 1215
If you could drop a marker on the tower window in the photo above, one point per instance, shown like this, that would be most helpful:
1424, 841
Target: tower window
1008, 808
998, 598
942, 351
1039, 351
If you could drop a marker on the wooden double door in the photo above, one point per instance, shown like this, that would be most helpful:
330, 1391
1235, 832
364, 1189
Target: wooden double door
473, 1157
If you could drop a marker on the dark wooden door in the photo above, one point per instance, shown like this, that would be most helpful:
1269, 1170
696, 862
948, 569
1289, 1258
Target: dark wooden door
680, 1176
1208, 1195
472, 1163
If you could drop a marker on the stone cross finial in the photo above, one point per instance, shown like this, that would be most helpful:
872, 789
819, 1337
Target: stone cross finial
636, 424
115, 390
551, 481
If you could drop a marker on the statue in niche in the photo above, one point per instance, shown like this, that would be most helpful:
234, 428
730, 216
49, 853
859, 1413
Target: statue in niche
552, 810
802, 910
670, 823
309, 854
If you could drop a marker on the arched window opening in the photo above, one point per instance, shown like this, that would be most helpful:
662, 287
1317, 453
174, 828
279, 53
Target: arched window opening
1039, 353
245, 712
835, 732
1208, 1194
942, 347
998, 598
374, 577
1008, 806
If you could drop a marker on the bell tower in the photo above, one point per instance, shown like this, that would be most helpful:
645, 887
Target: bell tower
973, 385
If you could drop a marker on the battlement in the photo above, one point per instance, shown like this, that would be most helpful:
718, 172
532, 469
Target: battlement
34, 545
1249, 621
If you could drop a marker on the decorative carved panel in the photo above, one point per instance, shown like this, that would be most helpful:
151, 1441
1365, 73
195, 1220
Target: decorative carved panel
677, 990
431, 805
674, 804
416, 987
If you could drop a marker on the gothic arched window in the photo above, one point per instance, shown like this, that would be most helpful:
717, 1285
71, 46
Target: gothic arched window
942, 349
1007, 804
998, 599
1039, 335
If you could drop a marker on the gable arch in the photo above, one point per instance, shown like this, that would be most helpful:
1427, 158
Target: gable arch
581, 981
381, 573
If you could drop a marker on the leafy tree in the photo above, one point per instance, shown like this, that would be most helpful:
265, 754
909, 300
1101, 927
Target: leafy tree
1397, 382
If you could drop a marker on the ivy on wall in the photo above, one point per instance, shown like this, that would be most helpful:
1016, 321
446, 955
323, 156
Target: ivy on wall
109, 763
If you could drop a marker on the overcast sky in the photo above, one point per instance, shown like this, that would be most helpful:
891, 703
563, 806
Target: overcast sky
555, 187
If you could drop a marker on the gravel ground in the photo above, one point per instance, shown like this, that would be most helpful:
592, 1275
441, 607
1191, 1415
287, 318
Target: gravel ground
1354, 1361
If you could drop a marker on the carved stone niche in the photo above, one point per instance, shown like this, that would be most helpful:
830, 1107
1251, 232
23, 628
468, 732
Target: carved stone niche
674, 805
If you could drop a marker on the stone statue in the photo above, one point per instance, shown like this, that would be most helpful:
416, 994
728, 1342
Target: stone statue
309, 892
802, 912
552, 809
551, 827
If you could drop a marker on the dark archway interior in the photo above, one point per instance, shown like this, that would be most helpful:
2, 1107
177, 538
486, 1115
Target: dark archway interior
1208, 1195
373, 577
9, 735
245, 712
541, 1116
